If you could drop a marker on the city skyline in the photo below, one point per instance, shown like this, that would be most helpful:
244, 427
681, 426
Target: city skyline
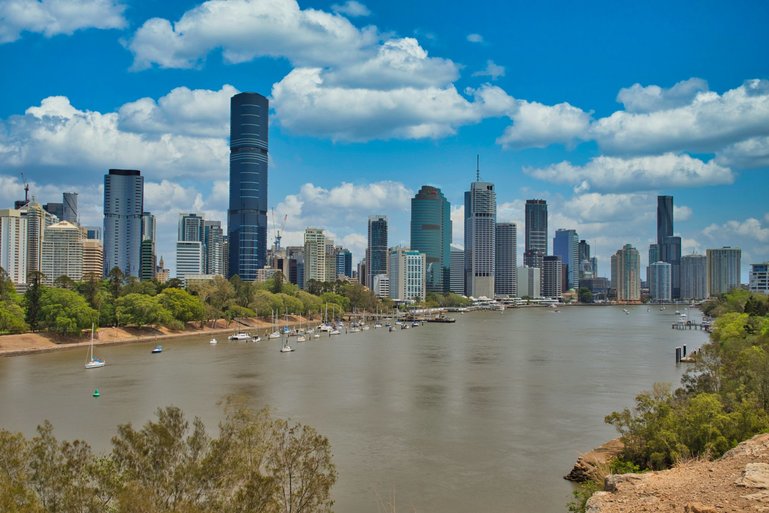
573, 134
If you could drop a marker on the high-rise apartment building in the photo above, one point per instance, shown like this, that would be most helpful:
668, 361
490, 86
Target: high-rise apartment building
694, 277
376, 252
93, 258
189, 246
529, 282
480, 243
759, 278
62, 252
457, 271
13, 245
247, 214
506, 260
148, 256
123, 210
212, 248
566, 246
626, 274
660, 285
431, 234
552, 274
314, 255
38, 220
407, 274
723, 270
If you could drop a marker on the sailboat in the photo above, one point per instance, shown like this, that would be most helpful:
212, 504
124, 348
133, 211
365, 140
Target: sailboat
276, 332
93, 363
286, 348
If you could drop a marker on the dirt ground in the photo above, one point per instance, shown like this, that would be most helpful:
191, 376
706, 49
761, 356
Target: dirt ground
26, 343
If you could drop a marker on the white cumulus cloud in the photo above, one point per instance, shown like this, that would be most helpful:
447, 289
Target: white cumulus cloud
246, 29
637, 173
199, 113
475, 38
638, 98
708, 123
56, 135
537, 125
54, 17
305, 104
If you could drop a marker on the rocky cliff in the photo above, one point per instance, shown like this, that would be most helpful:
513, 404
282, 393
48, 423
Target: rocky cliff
737, 482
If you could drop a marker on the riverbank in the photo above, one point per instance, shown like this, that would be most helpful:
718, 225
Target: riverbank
28, 343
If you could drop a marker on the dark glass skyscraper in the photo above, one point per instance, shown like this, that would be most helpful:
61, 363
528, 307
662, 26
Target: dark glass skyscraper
668, 246
664, 219
247, 215
376, 253
431, 235
123, 210
535, 241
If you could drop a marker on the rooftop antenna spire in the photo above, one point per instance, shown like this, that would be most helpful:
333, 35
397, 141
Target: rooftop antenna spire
477, 168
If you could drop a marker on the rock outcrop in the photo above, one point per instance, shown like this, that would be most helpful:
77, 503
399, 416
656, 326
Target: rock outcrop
594, 463
737, 482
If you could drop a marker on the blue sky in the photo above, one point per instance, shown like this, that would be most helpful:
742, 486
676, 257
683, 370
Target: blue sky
596, 107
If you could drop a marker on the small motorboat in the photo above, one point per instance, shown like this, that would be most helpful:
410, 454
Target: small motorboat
240, 336
157, 349
213, 341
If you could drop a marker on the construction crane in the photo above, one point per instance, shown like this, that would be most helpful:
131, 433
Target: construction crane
277, 234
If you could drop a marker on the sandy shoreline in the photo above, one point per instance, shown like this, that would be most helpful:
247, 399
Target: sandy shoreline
29, 343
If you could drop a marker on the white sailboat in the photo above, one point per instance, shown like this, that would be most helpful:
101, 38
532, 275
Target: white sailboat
93, 362
275, 333
286, 348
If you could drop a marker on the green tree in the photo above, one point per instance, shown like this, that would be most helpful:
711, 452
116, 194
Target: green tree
140, 310
182, 305
32, 298
12, 318
585, 295
116, 279
299, 460
65, 312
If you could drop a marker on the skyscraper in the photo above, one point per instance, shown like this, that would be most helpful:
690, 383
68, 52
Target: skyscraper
62, 252
69, 210
723, 270
247, 214
431, 234
668, 246
566, 246
123, 209
480, 243
506, 260
585, 264
535, 242
693, 277
376, 253
552, 273
664, 219
457, 271
659, 281
344, 262
314, 255
212, 247
148, 256
189, 246
13, 245
407, 274
626, 273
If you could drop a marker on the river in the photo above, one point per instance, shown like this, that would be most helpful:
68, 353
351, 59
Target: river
485, 415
